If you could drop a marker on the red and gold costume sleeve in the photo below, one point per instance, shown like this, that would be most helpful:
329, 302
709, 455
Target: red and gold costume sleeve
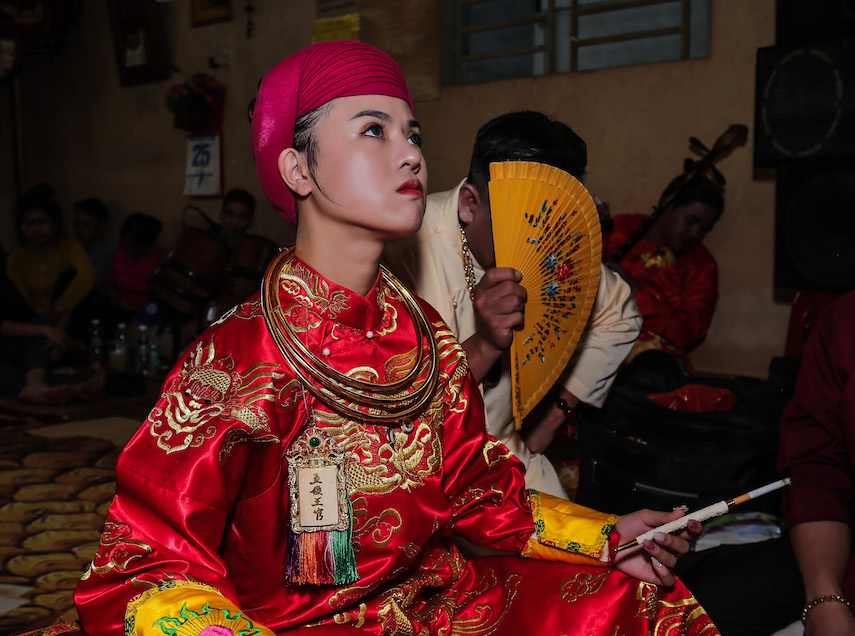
201, 607
491, 505
565, 530
679, 310
178, 482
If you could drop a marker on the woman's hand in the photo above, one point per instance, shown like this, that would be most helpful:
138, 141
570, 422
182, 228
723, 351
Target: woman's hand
652, 560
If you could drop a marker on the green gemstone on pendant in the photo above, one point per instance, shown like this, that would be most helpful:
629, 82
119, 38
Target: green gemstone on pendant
314, 442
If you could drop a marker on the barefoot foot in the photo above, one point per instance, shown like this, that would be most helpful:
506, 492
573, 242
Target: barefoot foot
91, 389
45, 394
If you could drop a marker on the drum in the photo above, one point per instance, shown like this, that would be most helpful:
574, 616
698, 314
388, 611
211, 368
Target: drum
191, 273
247, 266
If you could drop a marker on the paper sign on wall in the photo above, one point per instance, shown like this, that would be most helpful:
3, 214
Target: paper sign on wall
202, 173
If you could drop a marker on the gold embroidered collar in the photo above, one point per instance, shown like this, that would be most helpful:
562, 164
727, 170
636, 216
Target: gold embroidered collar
356, 399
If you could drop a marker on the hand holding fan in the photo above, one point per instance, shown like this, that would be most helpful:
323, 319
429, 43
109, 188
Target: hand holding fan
545, 225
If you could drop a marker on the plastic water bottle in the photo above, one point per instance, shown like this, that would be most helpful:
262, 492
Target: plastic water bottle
97, 352
154, 359
119, 349
143, 351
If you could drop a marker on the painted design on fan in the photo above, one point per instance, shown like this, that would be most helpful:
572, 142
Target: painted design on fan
560, 275
545, 225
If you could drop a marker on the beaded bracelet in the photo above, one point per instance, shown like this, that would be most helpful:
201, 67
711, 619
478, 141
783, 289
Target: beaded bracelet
822, 599
564, 406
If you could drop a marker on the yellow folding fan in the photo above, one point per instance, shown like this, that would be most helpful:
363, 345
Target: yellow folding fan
545, 225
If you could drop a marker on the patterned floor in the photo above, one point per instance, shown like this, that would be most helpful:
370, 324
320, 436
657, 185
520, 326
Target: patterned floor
56, 483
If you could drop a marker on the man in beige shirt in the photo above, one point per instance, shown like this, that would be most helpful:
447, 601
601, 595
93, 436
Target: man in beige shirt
457, 231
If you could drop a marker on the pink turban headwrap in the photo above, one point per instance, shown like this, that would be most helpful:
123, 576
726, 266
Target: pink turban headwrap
302, 82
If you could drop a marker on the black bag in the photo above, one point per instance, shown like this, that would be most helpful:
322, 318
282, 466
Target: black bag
637, 454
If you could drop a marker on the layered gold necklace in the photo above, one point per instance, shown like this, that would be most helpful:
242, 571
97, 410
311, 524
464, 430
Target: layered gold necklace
356, 399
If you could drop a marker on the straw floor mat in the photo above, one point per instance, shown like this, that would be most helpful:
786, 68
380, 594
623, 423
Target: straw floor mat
57, 479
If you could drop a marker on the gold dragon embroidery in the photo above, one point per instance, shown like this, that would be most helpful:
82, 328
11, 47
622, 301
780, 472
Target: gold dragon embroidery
378, 465
313, 298
486, 617
582, 584
381, 528
660, 258
674, 617
206, 390
244, 311
116, 550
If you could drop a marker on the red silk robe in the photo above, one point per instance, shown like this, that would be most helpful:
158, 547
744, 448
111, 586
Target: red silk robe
677, 295
196, 538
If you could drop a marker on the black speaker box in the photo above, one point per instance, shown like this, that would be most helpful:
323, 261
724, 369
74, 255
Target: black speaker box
806, 21
815, 227
805, 103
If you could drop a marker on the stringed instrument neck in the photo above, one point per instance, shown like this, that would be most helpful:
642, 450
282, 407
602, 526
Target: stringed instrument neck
734, 136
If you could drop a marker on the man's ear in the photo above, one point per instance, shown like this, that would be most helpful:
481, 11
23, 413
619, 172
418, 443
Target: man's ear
295, 172
468, 203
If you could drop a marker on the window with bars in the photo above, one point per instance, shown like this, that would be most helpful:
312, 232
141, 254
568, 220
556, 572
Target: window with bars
485, 40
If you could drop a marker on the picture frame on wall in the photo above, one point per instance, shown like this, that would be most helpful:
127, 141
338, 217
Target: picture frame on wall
210, 11
139, 41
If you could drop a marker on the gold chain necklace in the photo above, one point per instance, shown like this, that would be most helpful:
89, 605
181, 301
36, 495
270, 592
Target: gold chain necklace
495, 373
468, 266
348, 396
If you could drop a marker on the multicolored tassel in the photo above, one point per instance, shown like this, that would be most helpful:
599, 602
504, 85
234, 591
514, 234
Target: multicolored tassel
325, 557
344, 559
320, 532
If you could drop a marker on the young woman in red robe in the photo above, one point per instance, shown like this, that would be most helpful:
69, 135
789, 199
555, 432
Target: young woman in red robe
313, 453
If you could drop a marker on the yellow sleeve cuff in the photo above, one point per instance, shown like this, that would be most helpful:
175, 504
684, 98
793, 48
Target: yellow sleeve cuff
181, 607
564, 531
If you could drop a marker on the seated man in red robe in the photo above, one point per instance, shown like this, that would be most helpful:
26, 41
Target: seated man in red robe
674, 276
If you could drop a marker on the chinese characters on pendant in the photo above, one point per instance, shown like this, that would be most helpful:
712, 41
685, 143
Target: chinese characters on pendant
318, 496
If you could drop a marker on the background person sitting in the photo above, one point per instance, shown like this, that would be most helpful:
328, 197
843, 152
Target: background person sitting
28, 348
51, 271
90, 228
126, 283
236, 216
675, 278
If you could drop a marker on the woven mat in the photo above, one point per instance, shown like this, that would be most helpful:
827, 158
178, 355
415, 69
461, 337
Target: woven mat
56, 483
12, 417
